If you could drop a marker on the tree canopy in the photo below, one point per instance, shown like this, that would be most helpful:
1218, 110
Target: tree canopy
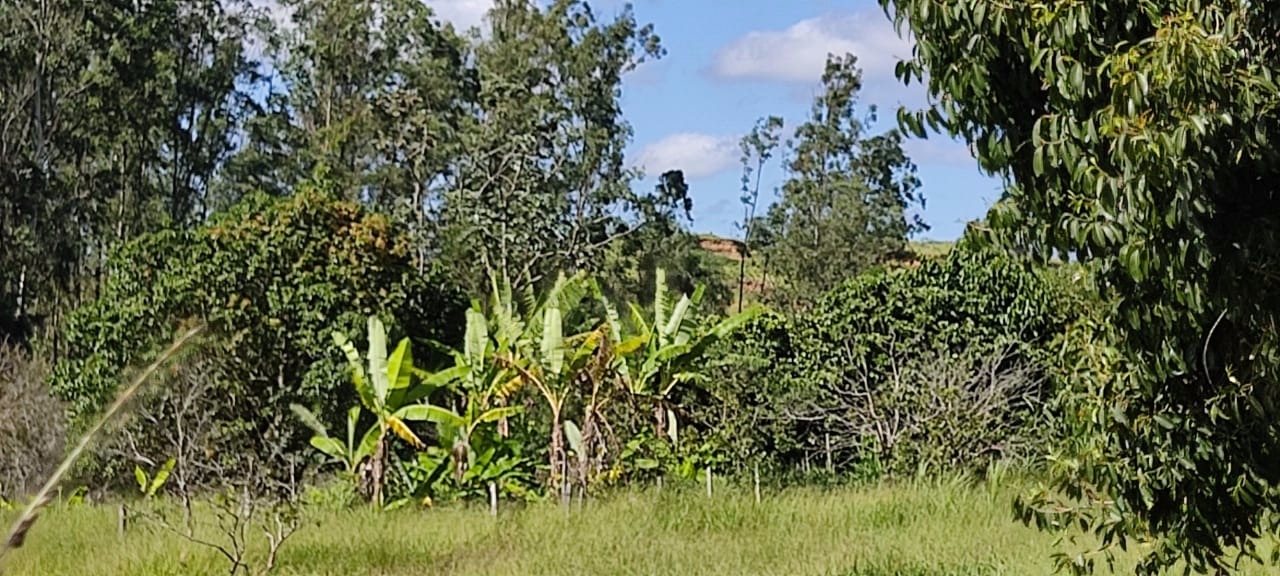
1138, 136
846, 203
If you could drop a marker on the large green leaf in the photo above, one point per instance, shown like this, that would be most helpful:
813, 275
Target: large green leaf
477, 338
735, 322
309, 419
722, 330
400, 366
429, 382
497, 414
356, 369
660, 300
583, 353
552, 341
573, 436
368, 444
378, 362
610, 313
677, 318
353, 420
330, 447
630, 345
414, 413
637, 318
444, 416
681, 378
401, 373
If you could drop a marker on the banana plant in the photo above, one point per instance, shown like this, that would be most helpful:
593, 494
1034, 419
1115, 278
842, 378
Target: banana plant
484, 383
347, 452
392, 390
456, 430
544, 358
667, 352
149, 485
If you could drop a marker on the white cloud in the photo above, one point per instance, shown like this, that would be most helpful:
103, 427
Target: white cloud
938, 150
698, 155
462, 13
799, 53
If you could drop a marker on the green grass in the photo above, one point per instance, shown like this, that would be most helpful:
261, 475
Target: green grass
908, 531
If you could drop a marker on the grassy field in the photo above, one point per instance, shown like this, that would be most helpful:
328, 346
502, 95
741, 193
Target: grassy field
908, 531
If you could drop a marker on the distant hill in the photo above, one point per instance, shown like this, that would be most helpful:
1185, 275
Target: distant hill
731, 250
727, 247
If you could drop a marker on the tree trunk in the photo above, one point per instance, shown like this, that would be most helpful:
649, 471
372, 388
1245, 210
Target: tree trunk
742, 277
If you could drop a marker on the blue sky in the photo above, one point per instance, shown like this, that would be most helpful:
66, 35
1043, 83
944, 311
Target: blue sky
730, 62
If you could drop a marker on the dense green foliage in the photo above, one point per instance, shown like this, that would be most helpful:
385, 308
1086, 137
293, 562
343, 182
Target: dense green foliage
1138, 135
490, 156
273, 278
114, 119
793, 385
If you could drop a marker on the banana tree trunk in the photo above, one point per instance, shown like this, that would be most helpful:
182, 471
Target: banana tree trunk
557, 456
588, 453
377, 470
659, 419
504, 428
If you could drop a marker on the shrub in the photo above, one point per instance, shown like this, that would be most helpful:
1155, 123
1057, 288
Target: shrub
273, 278
31, 423
951, 412
974, 326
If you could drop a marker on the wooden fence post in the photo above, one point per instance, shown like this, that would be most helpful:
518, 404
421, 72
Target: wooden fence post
830, 468
756, 474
